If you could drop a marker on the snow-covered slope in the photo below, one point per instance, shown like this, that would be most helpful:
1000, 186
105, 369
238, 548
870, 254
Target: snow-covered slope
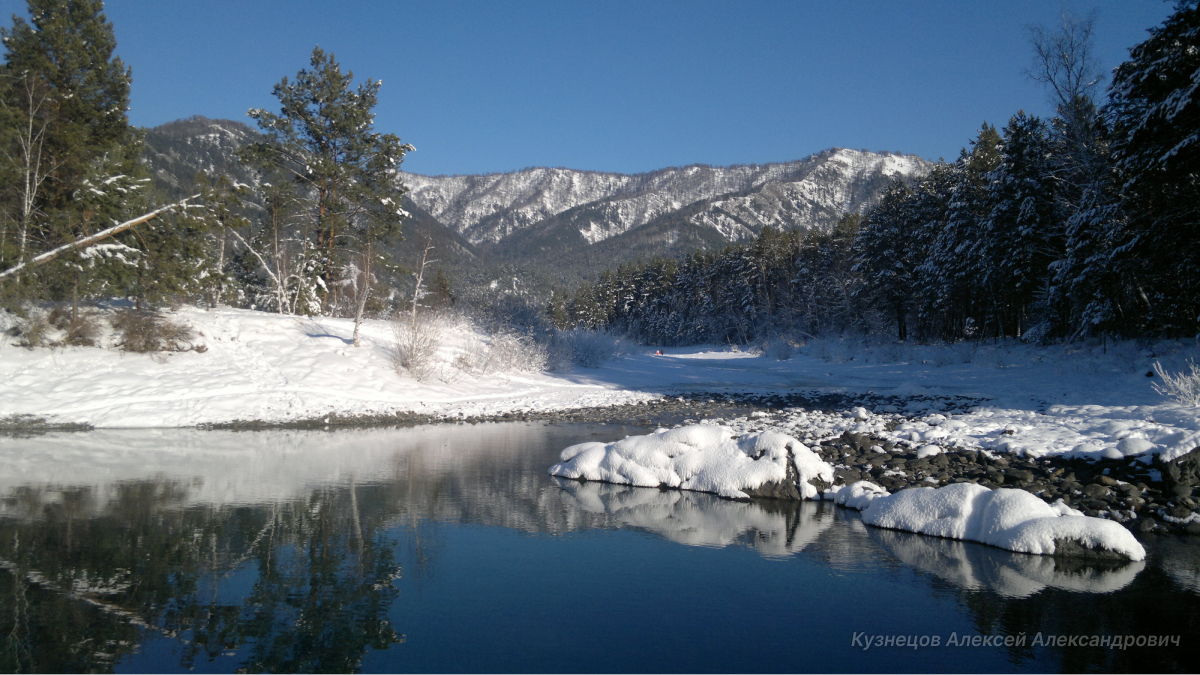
805, 193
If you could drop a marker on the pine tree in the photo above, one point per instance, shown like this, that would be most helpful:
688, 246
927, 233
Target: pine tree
950, 297
344, 172
67, 99
1155, 102
1021, 234
888, 253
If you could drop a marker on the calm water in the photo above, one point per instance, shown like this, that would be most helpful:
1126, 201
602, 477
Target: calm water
449, 549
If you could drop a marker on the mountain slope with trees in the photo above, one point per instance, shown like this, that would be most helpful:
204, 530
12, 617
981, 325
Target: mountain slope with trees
1084, 224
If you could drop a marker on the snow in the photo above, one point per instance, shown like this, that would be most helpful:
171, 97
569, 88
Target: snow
493, 206
857, 496
702, 457
1010, 519
1087, 401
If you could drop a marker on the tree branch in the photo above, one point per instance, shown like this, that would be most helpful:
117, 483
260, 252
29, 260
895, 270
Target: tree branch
86, 241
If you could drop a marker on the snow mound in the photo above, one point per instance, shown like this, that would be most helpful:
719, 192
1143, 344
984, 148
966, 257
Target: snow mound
703, 458
1010, 519
857, 496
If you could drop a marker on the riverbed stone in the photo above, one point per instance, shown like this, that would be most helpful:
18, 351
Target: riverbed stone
1181, 474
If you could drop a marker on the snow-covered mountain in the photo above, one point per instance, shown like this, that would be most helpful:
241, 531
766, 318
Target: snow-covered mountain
569, 224
808, 193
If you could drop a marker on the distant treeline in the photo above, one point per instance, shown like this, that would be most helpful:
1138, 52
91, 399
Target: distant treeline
1079, 225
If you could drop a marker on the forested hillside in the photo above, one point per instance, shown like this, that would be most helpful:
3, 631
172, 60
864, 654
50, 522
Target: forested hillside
1043, 229
1083, 224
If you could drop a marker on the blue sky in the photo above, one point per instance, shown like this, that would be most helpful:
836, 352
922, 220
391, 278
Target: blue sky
618, 86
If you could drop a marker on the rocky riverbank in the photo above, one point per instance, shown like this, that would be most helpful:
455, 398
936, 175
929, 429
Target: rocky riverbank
1144, 497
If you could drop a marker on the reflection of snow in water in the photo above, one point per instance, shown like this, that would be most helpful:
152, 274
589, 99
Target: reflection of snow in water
1017, 575
698, 519
229, 467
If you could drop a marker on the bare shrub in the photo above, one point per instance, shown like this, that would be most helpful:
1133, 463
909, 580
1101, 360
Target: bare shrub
780, 347
895, 352
964, 352
82, 329
832, 350
414, 350
1181, 387
505, 351
148, 331
584, 348
32, 330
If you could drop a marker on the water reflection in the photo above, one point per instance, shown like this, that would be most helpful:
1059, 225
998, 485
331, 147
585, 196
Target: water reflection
773, 528
974, 566
288, 551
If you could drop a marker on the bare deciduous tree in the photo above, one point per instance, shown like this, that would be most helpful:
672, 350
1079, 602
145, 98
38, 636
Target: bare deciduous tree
1063, 60
34, 115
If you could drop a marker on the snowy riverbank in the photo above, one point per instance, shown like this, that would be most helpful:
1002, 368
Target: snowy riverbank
1076, 400
711, 458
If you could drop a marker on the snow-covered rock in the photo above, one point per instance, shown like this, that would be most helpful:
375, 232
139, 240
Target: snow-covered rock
857, 496
1011, 519
704, 458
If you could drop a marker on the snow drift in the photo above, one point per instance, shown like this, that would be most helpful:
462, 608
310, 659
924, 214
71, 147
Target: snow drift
1011, 519
703, 458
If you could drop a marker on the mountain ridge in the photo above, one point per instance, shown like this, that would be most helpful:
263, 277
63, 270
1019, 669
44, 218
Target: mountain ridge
572, 223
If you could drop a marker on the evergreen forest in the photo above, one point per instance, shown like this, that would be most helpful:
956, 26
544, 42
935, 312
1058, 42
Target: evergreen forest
1082, 225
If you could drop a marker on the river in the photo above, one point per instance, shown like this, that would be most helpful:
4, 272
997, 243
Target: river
448, 548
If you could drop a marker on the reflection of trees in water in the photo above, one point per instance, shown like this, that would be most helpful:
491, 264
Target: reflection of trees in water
305, 584
81, 585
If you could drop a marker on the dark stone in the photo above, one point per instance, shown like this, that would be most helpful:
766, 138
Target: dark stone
1146, 525
782, 489
1181, 511
1096, 491
1130, 490
1181, 472
857, 440
1021, 475
1193, 527
848, 476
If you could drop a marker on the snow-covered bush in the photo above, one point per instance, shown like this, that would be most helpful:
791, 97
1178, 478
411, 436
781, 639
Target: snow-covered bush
1181, 387
999, 356
780, 347
415, 348
830, 350
894, 352
584, 348
504, 351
